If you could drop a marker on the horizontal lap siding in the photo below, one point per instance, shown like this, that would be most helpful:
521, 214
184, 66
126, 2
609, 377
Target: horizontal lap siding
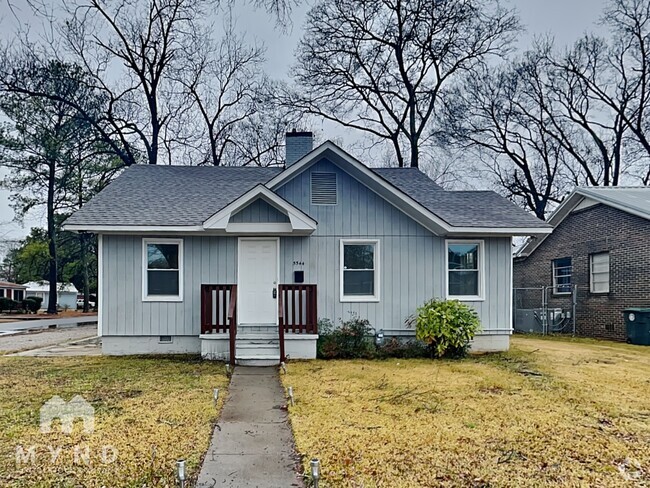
206, 260
412, 259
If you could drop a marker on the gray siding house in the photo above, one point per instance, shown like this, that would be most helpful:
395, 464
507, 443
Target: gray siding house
239, 263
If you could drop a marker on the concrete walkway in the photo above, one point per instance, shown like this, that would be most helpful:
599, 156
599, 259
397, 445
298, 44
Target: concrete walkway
252, 445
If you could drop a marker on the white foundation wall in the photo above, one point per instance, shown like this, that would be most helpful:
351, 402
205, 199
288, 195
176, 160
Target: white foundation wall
129, 345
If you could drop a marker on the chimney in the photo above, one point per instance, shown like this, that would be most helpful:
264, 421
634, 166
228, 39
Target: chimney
297, 145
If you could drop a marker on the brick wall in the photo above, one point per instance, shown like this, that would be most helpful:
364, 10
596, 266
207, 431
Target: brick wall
595, 229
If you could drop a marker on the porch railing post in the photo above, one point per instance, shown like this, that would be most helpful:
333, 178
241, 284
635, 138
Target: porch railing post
281, 323
232, 322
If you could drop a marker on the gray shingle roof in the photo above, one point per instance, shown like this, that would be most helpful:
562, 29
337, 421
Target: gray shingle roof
460, 208
145, 195
169, 195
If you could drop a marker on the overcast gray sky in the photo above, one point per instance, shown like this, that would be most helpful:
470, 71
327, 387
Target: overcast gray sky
565, 20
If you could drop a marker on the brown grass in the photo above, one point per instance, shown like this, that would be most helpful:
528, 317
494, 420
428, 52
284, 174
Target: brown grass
548, 413
151, 410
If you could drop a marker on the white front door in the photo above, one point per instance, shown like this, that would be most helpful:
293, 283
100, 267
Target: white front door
258, 275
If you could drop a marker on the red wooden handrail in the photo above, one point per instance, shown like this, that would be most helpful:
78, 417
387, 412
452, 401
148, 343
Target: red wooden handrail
215, 304
232, 322
281, 326
298, 308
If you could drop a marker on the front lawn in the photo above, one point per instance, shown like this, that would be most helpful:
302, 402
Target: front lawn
549, 412
149, 412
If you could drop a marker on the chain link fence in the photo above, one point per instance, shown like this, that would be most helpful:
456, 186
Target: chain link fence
544, 310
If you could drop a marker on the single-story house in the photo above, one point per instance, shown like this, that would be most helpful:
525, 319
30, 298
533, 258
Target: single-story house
190, 257
12, 291
66, 294
598, 256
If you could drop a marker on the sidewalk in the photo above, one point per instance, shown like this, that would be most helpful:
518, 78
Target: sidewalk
252, 445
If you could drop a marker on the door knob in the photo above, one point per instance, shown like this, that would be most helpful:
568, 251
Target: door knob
275, 293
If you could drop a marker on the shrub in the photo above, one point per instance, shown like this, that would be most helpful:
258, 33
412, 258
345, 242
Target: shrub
352, 339
7, 304
447, 326
32, 304
394, 348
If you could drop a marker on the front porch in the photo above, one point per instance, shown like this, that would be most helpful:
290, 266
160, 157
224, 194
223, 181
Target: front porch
224, 338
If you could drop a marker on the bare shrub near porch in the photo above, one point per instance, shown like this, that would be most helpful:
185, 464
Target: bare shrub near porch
447, 326
351, 340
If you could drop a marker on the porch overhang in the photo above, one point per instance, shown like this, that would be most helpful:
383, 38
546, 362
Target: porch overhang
299, 223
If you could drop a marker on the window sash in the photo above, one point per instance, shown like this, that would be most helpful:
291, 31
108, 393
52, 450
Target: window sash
367, 286
465, 275
599, 273
562, 275
162, 280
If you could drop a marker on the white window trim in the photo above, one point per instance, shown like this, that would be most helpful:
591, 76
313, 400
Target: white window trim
591, 273
481, 271
554, 277
377, 261
162, 298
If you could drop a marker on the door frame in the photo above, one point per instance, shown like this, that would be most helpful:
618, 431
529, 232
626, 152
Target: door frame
277, 268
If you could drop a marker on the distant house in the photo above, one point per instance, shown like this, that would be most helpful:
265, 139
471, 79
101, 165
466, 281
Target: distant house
239, 263
12, 291
66, 293
600, 247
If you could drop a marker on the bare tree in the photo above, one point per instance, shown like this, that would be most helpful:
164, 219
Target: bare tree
226, 84
146, 40
381, 67
504, 115
614, 76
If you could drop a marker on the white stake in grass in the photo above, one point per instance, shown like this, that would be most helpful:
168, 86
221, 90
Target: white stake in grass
180, 472
290, 391
215, 395
283, 367
315, 471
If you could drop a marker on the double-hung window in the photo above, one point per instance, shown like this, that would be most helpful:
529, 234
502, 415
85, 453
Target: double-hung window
599, 272
162, 278
562, 271
359, 270
465, 270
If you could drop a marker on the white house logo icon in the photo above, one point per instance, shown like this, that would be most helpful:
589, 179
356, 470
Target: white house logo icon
78, 407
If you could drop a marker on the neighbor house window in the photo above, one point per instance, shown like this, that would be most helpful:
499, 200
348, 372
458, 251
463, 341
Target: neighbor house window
359, 271
599, 272
162, 271
562, 271
464, 270
19, 295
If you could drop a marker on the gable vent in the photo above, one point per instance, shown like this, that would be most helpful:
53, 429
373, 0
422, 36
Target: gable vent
323, 189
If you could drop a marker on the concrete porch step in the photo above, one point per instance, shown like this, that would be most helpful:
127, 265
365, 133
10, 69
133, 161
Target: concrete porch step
257, 328
262, 360
257, 350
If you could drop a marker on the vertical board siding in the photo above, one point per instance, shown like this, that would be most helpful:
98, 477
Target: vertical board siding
259, 211
205, 260
412, 265
412, 259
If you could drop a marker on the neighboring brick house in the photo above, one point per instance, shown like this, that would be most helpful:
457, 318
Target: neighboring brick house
601, 243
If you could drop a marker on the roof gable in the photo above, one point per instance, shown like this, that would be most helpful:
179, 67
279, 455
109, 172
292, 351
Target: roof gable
442, 212
633, 200
298, 221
